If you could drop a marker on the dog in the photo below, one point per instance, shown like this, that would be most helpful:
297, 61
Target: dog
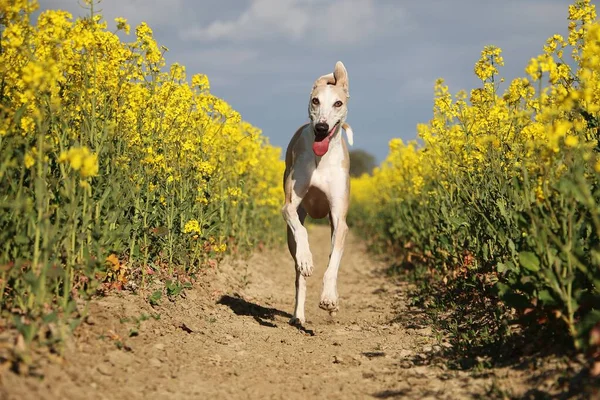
316, 182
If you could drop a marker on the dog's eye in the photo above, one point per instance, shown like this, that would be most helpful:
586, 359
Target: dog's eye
315, 101
338, 104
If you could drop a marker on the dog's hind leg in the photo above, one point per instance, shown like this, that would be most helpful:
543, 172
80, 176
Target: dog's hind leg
298, 317
329, 295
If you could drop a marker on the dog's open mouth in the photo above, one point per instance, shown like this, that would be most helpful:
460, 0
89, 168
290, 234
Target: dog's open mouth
321, 144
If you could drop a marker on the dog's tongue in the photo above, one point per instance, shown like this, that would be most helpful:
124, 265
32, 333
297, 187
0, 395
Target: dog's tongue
321, 147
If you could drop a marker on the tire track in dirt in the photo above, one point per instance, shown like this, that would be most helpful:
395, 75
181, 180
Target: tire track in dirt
229, 338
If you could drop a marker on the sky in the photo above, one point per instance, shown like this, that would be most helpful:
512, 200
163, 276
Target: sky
262, 56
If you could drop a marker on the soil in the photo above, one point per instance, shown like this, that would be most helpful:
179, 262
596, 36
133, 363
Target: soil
228, 337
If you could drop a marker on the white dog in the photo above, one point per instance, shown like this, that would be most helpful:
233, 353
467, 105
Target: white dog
317, 182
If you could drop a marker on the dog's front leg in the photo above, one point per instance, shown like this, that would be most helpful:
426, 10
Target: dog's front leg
329, 295
302, 255
297, 237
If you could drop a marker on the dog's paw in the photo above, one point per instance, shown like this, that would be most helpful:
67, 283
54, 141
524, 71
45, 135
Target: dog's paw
329, 304
304, 263
294, 321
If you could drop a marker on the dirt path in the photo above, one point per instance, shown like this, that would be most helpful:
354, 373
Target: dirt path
229, 338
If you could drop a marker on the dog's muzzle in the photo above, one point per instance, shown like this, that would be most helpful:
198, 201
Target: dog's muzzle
321, 130
322, 136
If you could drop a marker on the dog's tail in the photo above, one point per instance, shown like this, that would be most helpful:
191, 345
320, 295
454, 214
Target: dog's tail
349, 133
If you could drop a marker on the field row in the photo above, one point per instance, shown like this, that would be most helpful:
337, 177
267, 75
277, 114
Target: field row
501, 202
116, 169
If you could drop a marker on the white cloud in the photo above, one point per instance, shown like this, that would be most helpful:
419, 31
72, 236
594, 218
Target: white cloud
262, 18
338, 22
353, 21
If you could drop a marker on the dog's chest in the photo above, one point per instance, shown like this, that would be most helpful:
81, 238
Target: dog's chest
327, 169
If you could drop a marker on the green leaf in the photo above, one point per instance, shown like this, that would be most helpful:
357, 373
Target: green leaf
21, 239
546, 297
502, 288
501, 267
154, 298
511, 246
51, 317
529, 261
500, 203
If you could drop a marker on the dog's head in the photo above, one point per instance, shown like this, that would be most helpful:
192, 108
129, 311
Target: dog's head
327, 107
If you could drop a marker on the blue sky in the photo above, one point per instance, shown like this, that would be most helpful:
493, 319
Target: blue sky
262, 56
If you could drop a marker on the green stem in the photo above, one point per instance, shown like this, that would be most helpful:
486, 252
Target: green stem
39, 195
146, 244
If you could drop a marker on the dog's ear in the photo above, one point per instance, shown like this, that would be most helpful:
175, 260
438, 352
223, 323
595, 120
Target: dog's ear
341, 75
328, 79
349, 133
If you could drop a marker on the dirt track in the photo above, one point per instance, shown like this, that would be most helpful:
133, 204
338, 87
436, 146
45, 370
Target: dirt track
229, 338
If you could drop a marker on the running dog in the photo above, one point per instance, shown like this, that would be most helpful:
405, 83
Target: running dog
317, 182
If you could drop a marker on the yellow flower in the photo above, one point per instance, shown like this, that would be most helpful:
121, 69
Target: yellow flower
122, 25
571, 141
30, 157
201, 82
82, 160
192, 226
533, 69
219, 248
90, 166
234, 192
539, 191
113, 261
148, 45
487, 65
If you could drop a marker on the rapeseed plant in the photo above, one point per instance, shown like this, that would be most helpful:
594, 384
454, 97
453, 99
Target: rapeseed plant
114, 164
510, 179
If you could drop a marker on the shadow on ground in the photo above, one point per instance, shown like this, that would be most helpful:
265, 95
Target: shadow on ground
476, 323
391, 394
263, 315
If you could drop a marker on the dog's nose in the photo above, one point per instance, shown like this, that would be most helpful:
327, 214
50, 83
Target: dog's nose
322, 128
